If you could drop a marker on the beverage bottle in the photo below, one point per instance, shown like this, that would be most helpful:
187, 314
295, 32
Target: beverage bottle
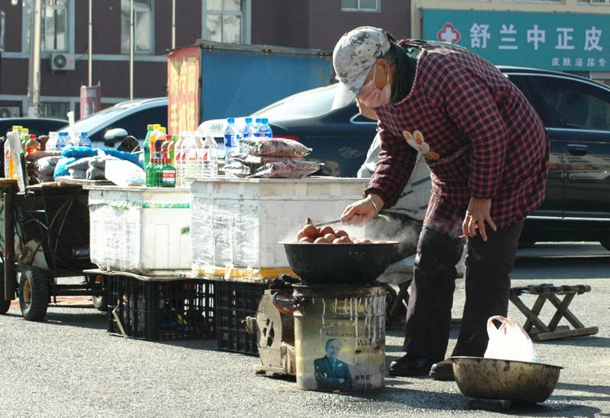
232, 136
169, 174
171, 150
32, 145
199, 141
84, 140
264, 130
165, 146
190, 159
159, 140
149, 173
52, 142
210, 158
248, 131
146, 145
179, 152
62, 141
25, 136
153, 139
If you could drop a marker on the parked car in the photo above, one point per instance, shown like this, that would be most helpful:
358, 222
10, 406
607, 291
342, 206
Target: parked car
575, 111
131, 116
36, 126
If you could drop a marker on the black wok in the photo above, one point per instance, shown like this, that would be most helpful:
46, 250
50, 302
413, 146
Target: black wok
340, 263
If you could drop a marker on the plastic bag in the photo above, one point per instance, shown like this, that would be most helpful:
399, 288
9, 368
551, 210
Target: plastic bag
509, 342
274, 147
124, 173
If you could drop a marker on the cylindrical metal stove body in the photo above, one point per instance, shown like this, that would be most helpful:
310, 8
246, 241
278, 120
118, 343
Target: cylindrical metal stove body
340, 338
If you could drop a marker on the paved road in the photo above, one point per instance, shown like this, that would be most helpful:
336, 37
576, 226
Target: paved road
69, 366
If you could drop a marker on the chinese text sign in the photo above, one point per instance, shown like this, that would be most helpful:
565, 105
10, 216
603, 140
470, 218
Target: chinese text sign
183, 89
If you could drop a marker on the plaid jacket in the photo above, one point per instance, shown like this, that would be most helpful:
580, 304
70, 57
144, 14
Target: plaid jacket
479, 134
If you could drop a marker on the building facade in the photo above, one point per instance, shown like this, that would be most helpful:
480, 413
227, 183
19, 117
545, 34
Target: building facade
562, 35
313, 24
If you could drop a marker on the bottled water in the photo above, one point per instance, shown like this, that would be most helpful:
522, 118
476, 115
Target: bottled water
232, 136
249, 129
179, 151
263, 130
190, 159
210, 158
63, 141
84, 140
52, 142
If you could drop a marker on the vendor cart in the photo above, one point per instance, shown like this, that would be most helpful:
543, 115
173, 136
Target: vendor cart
46, 231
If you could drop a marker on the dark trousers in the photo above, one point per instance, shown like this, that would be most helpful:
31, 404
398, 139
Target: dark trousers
488, 265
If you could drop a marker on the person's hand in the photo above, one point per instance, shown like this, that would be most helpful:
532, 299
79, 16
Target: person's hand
360, 212
477, 214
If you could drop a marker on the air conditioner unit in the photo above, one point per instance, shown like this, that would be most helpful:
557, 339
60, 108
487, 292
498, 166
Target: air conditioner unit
62, 62
9, 111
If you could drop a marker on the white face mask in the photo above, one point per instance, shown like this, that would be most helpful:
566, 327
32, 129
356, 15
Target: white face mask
371, 96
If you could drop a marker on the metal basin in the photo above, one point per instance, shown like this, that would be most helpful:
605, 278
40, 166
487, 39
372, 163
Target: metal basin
340, 263
519, 381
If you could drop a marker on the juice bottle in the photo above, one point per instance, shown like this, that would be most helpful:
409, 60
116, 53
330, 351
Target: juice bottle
32, 146
153, 139
159, 140
165, 146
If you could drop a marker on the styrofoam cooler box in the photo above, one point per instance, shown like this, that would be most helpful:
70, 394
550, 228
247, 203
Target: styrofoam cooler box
144, 230
240, 222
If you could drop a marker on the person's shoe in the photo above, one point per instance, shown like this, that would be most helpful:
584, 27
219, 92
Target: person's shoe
410, 365
443, 370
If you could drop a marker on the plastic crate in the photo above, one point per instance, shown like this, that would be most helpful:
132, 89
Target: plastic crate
161, 310
234, 302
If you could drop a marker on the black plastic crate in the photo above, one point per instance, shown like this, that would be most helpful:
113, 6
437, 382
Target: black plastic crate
161, 310
234, 302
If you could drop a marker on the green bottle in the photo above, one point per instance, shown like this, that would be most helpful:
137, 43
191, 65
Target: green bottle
171, 150
168, 176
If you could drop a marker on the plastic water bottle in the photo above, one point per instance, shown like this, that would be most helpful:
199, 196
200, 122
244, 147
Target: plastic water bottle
146, 145
232, 136
190, 160
179, 149
248, 131
263, 130
210, 158
84, 140
52, 142
63, 141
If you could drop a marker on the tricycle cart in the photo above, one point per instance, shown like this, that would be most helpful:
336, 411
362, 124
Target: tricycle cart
50, 224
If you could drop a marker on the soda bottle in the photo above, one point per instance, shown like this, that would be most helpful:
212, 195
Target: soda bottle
210, 158
169, 174
171, 150
32, 145
84, 140
264, 130
146, 146
25, 136
149, 173
165, 146
159, 140
153, 139
232, 136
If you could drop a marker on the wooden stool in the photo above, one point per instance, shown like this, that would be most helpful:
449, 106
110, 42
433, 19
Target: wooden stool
537, 330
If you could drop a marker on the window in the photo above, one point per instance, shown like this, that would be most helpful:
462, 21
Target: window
54, 109
224, 21
55, 26
594, 2
361, 5
142, 26
572, 104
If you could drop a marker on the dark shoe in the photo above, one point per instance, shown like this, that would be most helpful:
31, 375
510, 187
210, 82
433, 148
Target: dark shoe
443, 370
411, 365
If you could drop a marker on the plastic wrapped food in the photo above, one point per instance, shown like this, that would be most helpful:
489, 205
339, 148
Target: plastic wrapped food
80, 164
285, 169
96, 173
78, 174
274, 147
305, 168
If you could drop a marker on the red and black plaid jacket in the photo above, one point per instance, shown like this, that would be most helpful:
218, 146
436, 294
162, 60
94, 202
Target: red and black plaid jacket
480, 136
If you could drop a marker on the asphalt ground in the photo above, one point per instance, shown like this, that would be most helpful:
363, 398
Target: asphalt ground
69, 366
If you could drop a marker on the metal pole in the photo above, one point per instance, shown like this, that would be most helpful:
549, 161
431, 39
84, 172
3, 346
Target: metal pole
90, 41
131, 50
173, 24
34, 71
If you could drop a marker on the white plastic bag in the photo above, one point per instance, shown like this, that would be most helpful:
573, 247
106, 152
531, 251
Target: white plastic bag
509, 342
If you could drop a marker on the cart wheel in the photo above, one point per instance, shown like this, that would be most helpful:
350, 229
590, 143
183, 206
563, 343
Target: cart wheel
4, 304
33, 294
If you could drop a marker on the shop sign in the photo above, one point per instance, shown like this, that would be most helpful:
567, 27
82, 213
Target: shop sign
90, 100
554, 41
183, 75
